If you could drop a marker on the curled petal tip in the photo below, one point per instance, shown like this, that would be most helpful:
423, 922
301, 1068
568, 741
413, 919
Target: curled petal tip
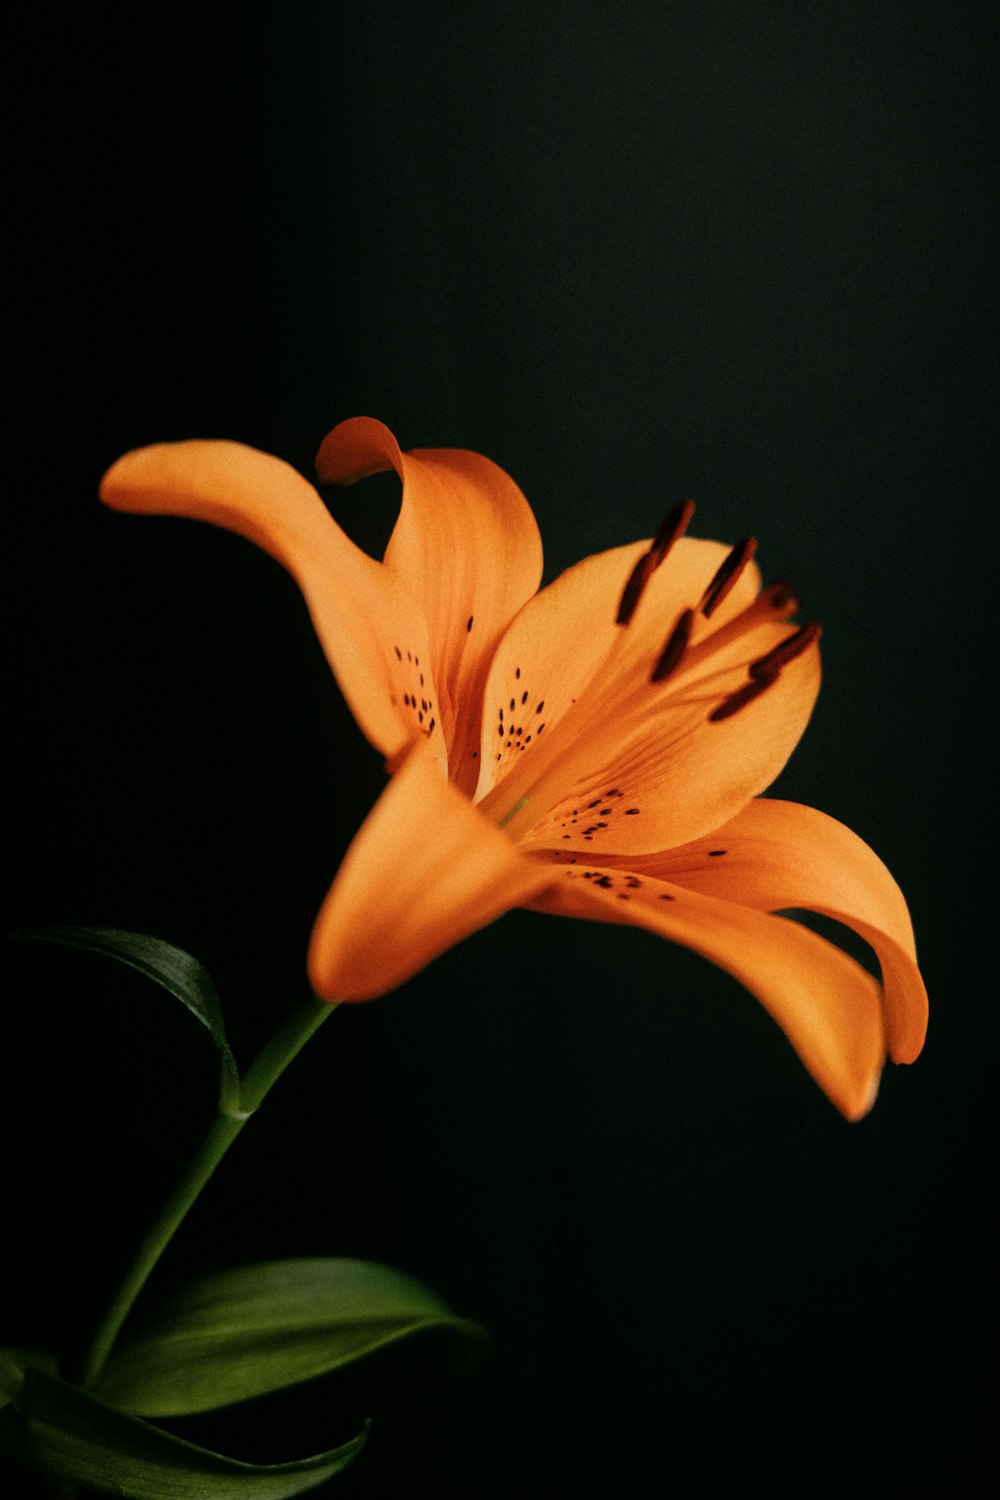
356, 448
865, 1102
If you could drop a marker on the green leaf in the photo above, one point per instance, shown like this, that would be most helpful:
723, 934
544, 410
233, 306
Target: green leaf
173, 970
13, 1363
61, 1430
254, 1329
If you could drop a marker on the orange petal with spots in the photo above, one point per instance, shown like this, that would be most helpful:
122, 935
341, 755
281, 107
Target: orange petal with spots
681, 775
826, 1004
369, 625
467, 546
425, 870
778, 856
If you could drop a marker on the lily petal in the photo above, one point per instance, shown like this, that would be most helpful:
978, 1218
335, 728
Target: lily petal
778, 856
826, 1004
468, 548
425, 870
371, 629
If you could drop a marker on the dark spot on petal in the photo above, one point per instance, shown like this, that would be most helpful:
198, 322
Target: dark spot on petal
714, 853
469, 625
630, 812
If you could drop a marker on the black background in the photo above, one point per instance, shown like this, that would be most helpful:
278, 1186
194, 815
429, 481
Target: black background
632, 253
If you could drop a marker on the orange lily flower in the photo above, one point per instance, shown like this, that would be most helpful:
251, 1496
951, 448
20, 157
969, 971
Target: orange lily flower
596, 749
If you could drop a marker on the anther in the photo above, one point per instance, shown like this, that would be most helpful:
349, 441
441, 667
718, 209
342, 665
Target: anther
765, 671
729, 571
675, 648
744, 695
780, 597
768, 666
673, 526
633, 590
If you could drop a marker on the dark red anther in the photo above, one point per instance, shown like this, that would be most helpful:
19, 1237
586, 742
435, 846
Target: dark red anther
765, 668
780, 597
675, 648
729, 571
633, 590
765, 671
744, 695
674, 525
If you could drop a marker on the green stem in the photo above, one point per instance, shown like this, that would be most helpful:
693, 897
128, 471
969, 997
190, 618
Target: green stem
288, 1040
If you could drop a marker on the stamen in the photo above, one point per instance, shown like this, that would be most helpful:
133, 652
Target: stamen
726, 576
677, 643
767, 667
780, 597
744, 695
633, 590
672, 527
674, 524
765, 671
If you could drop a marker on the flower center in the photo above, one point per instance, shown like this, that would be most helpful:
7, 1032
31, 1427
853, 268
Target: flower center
693, 673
